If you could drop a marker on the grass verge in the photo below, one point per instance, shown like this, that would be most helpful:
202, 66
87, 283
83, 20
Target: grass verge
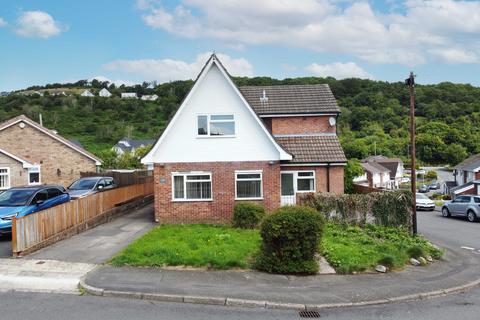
348, 249
216, 247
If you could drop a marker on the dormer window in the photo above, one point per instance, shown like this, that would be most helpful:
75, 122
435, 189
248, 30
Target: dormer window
216, 125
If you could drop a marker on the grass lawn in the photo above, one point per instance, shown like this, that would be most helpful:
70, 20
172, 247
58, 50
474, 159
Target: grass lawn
348, 249
216, 247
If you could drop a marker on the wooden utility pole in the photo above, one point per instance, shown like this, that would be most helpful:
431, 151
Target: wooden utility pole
410, 82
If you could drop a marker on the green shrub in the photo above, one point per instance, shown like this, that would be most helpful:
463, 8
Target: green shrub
387, 261
291, 236
247, 215
415, 252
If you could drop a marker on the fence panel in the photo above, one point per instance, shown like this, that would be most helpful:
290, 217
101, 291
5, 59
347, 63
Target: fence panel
34, 229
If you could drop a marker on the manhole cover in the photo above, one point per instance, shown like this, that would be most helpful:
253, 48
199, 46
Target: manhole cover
309, 314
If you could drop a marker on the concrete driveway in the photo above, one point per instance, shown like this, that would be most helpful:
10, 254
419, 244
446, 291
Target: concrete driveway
99, 244
5, 246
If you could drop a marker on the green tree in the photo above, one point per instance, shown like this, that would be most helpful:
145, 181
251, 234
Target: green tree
352, 170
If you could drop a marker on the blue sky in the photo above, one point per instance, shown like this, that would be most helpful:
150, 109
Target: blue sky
134, 40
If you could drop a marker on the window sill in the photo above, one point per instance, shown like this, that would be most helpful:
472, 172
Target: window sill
306, 191
191, 200
246, 199
214, 137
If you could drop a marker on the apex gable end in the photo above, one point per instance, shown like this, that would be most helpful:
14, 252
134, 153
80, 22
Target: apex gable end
215, 96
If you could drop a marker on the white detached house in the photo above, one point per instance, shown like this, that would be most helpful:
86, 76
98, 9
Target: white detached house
217, 150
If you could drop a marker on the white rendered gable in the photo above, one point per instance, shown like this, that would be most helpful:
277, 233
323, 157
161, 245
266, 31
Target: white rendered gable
214, 93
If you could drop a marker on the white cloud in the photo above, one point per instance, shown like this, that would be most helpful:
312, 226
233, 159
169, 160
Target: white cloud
164, 70
117, 82
37, 24
3, 23
412, 37
455, 56
339, 70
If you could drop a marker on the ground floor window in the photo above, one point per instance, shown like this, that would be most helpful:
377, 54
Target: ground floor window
248, 185
192, 186
34, 175
4, 178
297, 181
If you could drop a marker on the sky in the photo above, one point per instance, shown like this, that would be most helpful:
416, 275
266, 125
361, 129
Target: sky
131, 41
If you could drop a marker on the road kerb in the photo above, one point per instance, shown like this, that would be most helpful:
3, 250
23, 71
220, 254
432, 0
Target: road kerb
233, 302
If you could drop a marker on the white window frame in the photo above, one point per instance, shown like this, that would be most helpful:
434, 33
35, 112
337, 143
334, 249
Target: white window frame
184, 175
208, 135
297, 177
295, 181
35, 169
249, 179
8, 177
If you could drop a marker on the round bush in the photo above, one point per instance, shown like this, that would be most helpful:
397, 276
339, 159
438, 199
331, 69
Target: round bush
291, 236
247, 215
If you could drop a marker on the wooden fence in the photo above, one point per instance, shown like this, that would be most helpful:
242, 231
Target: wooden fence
45, 227
123, 179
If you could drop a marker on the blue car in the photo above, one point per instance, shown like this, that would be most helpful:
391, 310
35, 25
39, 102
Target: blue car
21, 201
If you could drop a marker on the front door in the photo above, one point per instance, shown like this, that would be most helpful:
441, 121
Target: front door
288, 188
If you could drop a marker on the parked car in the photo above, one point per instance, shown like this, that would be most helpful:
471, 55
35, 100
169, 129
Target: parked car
423, 189
21, 201
86, 186
434, 186
464, 206
424, 203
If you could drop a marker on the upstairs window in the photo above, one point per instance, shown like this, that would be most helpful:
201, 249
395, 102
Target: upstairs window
216, 125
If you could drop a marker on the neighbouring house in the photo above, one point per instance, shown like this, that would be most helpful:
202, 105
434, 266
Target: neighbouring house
130, 145
32, 154
152, 97
227, 144
129, 95
467, 177
104, 93
87, 93
394, 165
374, 176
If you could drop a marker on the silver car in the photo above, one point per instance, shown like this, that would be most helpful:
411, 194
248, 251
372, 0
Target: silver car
463, 206
86, 186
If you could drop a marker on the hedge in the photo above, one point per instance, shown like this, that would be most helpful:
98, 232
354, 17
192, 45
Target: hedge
291, 237
389, 209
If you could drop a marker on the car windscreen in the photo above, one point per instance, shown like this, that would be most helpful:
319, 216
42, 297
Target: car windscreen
15, 197
83, 184
422, 196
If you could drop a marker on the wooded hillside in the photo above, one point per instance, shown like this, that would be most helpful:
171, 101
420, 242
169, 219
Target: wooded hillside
374, 115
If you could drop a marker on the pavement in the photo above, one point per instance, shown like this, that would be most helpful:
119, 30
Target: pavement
60, 267
457, 272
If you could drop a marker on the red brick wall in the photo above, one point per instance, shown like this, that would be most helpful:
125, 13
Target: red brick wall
220, 209
477, 175
298, 125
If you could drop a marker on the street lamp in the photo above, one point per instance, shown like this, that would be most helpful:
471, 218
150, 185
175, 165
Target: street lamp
410, 82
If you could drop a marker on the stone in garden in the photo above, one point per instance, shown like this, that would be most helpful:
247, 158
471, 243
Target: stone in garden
380, 268
429, 258
423, 261
414, 262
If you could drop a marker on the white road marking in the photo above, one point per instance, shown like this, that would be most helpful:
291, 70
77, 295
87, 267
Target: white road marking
468, 248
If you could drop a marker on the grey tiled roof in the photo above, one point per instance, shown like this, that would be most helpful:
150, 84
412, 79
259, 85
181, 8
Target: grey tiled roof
469, 164
291, 99
313, 149
374, 167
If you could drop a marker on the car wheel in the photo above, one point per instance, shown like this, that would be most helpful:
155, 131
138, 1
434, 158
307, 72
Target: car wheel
445, 212
471, 216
